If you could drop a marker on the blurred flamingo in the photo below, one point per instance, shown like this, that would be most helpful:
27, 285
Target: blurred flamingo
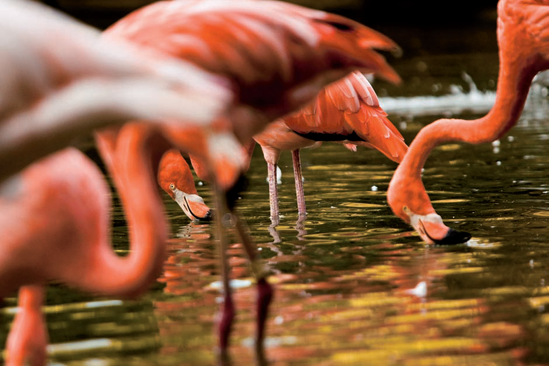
54, 218
278, 56
347, 111
523, 40
52, 93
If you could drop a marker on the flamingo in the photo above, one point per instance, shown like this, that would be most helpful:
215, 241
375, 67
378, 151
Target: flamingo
52, 93
523, 40
347, 111
54, 220
278, 56
176, 179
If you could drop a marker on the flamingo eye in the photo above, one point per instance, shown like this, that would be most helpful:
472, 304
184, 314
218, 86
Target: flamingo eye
172, 187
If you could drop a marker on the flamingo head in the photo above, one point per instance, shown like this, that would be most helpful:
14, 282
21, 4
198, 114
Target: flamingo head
409, 201
174, 176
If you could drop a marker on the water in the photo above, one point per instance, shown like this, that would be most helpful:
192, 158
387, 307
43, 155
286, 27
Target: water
355, 285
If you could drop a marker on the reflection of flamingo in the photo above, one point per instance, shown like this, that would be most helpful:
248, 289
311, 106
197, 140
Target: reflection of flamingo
523, 39
347, 111
278, 56
54, 92
54, 220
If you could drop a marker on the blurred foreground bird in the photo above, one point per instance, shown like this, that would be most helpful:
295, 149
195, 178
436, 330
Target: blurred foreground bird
58, 81
523, 40
55, 224
348, 112
277, 56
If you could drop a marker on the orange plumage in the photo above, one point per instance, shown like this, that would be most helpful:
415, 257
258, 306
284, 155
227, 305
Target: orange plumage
523, 40
276, 56
348, 112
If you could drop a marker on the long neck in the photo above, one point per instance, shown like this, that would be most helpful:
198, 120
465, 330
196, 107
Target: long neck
514, 82
84, 106
136, 185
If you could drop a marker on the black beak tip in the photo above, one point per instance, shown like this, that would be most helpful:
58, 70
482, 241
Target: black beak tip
454, 237
207, 218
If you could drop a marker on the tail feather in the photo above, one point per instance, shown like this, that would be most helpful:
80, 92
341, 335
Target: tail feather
263, 46
356, 41
379, 133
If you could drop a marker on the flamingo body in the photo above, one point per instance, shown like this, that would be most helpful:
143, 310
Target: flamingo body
523, 40
348, 112
278, 55
54, 218
56, 227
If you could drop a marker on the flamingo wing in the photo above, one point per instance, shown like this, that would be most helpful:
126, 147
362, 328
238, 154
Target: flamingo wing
349, 110
271, 50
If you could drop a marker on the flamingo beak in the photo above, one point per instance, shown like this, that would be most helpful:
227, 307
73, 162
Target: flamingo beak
433, 231
193, 205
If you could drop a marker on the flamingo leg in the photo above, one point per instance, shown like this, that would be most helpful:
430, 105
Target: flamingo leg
28, 337
273, 193
228, 311
264, 289
299, 192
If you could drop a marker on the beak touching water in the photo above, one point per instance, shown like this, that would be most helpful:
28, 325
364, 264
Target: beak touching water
193, 205
433, 231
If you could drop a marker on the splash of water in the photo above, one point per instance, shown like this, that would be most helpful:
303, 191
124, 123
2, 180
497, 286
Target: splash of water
454, 103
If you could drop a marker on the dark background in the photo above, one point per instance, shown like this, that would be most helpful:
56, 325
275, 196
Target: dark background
420, 28
427, 13
439, 39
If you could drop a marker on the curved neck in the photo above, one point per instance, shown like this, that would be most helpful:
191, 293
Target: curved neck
136, 184
514, 83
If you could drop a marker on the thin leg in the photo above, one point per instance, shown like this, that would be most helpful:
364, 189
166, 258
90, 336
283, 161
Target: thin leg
28, 337
273, 193
300, 194
228, 312
264, 289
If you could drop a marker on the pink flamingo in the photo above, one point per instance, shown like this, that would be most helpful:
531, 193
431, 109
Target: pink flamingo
176, 179
523, 39
57, 233
278, 56
347, 111
52, 93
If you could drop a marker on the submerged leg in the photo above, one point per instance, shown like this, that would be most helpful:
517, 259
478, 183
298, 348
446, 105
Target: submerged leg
299, 192
273, 193
264, 289
228, 312
28, 337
